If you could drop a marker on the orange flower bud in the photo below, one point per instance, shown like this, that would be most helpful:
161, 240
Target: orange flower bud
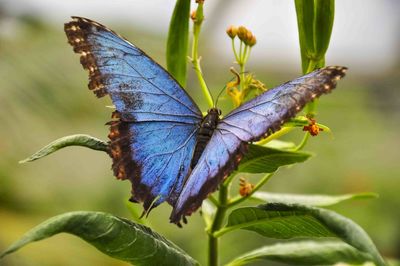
242, 33
193, 15
232, 31
312, 128
252, 41
245, 187
249, 35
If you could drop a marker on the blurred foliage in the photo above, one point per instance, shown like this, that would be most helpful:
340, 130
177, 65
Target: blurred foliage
43, 97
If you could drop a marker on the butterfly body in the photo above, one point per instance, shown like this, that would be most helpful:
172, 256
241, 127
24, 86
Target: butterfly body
159, 139
206, 130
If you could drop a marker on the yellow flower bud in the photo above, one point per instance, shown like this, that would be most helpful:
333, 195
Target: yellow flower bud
232, 31
193, 15
248, 37
252, 41
242, 33
245, 187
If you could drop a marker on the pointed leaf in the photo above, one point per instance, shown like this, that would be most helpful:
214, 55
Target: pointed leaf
324, 16
261, 159
311, 200
280, 144
305, 20
73, 140
286, 221
305, 23
305, 253
178, 39
117, 237
315, 23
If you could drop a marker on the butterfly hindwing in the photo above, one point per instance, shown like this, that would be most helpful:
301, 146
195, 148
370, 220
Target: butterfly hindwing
251, 121
140, 88
155, 125
220, 158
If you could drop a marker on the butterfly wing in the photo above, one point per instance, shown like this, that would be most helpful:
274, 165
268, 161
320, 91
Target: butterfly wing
155, 125
251, 121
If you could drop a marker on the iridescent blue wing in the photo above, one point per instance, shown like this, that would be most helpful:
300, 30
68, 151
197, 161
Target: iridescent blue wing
252, 121
266, 113
155, 125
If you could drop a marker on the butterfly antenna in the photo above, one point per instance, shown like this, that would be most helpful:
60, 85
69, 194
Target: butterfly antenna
219, 94
230, 81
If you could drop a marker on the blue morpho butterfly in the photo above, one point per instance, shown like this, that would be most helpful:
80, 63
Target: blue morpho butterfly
159, 139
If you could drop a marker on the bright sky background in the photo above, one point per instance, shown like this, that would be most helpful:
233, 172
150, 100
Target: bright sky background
366, 34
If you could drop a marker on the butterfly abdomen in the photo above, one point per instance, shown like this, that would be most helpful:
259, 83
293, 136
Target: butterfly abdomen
206, 130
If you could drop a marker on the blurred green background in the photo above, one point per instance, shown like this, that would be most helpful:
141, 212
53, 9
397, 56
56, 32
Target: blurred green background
43, 96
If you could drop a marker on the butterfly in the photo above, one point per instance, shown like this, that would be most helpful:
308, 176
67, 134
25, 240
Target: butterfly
159, 139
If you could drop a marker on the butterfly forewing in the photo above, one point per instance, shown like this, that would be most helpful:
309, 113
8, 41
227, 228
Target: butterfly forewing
155, 125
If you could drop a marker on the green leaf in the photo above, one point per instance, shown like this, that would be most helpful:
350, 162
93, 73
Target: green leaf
117, 237
280, 144
315, 23
73, 140
286, 221
305, 24
178, 39
311, 200
325, 12
261, 159
305, 253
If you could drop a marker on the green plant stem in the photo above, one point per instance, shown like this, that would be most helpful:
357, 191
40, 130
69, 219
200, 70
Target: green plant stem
234, 50
216, 229
283, 131
312, 106
213, 200
219, 232
244, 55
240, 52
217, 224
303, 142
242, 70
247, 54
195, 57
312, 65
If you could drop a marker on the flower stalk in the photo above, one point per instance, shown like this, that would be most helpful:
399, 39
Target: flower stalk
198, 18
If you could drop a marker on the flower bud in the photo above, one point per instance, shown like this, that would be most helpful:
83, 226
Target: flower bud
252, 41
245, 187
312, 127
193, 15
248, 37
242, 33
232, 31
